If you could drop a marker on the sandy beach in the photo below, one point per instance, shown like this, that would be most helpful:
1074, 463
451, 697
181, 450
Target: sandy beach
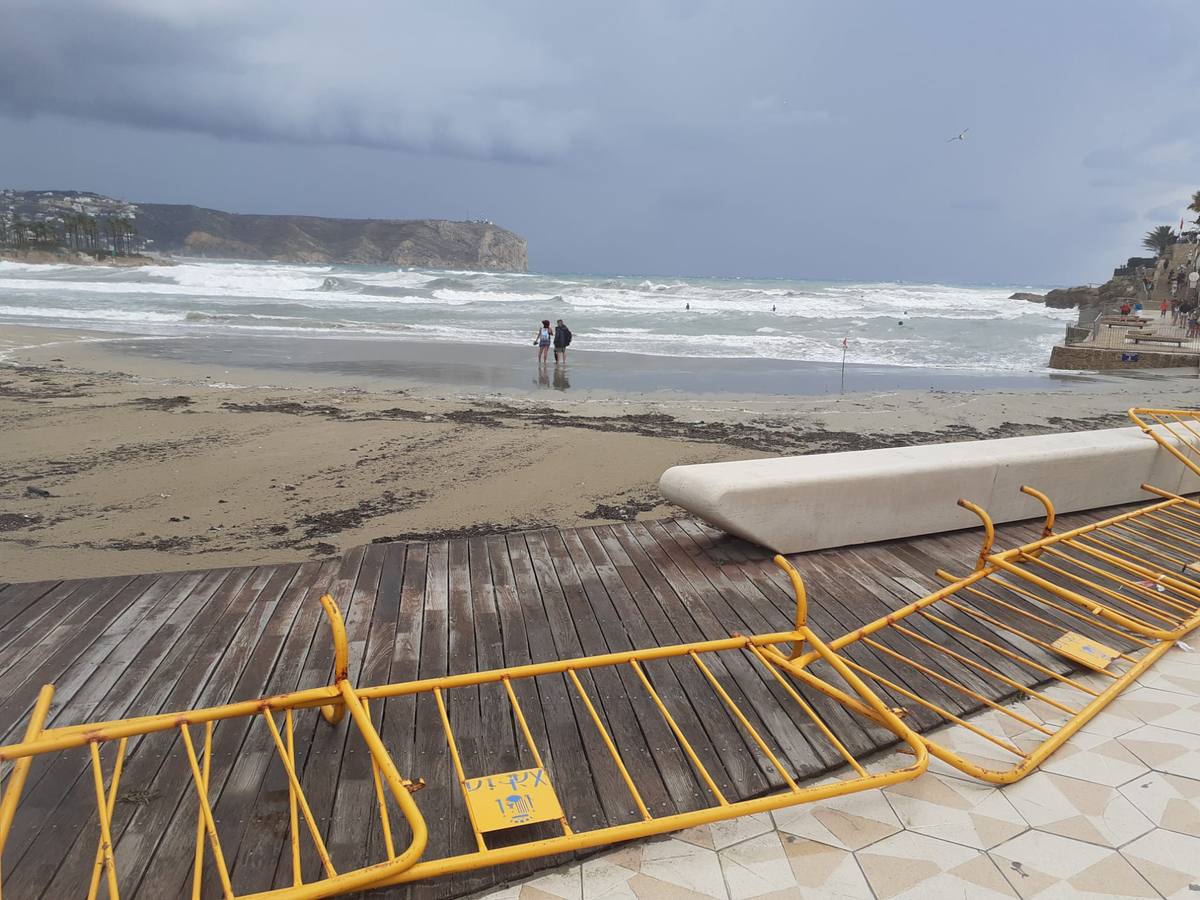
122, 456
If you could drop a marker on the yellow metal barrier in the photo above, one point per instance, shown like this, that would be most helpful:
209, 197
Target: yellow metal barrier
502, 808
1041, 637
1181, 424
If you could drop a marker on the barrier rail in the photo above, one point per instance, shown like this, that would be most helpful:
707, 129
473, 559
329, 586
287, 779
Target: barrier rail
509, 805
1103, 598
1181, 424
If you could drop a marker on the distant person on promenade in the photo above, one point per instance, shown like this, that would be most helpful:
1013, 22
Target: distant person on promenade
1126, 309
542, 341
562, 340
1163, 306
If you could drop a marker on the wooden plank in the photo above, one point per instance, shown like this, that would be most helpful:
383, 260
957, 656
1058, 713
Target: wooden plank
716, 740
165, 838
736, 600
555, 583
39, 617
252, 807
17, 598
72, 660
749, 690
512, 751
398, 724
73, 815
312, 733
368, 835
430, 750
631, 630
106, 695
337, 771
617, 693
858, 735
61, 643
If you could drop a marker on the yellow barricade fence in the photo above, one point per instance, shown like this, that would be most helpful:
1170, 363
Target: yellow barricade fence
513, 815
1055, 630
1181, 424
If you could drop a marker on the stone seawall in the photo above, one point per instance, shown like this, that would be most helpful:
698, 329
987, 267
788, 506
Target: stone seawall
1091, 358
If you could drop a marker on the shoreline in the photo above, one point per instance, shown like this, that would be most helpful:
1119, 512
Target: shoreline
120, 462
399, 363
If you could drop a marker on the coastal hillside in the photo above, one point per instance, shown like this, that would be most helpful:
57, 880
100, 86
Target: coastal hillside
429, 243
33, 219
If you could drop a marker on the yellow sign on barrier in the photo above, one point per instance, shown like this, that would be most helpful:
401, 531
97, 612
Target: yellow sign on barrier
1087, 652
512, 799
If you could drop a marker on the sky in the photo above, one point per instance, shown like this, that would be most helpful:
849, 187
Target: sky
686, 137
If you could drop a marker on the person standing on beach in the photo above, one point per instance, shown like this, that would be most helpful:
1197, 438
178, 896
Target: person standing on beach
542, 341
562, 339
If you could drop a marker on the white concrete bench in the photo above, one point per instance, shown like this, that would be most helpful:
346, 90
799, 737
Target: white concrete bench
796, 503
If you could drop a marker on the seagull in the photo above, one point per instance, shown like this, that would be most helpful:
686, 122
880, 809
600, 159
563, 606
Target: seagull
962, 136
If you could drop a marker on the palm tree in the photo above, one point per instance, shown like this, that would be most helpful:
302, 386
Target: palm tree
1194, 206
1159, 239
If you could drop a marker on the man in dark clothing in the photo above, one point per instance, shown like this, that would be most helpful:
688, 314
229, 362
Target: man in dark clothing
562, 339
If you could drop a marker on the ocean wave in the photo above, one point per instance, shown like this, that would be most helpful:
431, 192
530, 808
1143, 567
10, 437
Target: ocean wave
964, 327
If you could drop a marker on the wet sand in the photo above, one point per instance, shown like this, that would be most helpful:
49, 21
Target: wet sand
127, 455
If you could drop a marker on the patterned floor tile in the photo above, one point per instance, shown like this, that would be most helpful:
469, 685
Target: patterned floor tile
1095, 757
565, 883
1137, 706
979, 750
1090, 812
909, 865
1169, 861
684, 865
1175, 676
513, 892
1169, 801
605, 879
976, 815
824, 871
1165, 750
848, 822
701, 836
734, 831
756, 867
1048, 866
646, 887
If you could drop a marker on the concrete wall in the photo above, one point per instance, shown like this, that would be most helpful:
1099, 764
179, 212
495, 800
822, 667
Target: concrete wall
1078, 358
798, 503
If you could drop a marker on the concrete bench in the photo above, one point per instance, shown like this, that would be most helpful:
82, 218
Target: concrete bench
797, 503
1124, 321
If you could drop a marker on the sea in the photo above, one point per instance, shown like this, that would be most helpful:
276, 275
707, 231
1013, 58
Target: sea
953, 326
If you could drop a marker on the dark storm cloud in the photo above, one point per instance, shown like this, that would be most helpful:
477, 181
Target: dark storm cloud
285, 72
772, 137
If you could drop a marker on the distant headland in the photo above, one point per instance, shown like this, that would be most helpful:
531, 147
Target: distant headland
80, 226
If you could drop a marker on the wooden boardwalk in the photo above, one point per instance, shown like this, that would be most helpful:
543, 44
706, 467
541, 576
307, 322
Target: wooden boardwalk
125, 646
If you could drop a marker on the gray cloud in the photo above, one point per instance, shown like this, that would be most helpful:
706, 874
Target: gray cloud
772, 137
289, 78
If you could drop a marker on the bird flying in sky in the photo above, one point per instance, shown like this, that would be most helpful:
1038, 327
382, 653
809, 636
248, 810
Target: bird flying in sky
961, 136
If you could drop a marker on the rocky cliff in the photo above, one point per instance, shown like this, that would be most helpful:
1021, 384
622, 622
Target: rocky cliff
428, 243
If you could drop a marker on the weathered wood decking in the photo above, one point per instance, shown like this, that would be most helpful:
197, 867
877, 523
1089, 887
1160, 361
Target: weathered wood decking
125, 646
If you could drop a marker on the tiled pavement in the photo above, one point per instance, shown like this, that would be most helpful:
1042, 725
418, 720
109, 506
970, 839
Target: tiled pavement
1115, 813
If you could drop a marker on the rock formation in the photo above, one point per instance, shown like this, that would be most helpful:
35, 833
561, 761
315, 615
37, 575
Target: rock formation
428, 243
1025, 295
